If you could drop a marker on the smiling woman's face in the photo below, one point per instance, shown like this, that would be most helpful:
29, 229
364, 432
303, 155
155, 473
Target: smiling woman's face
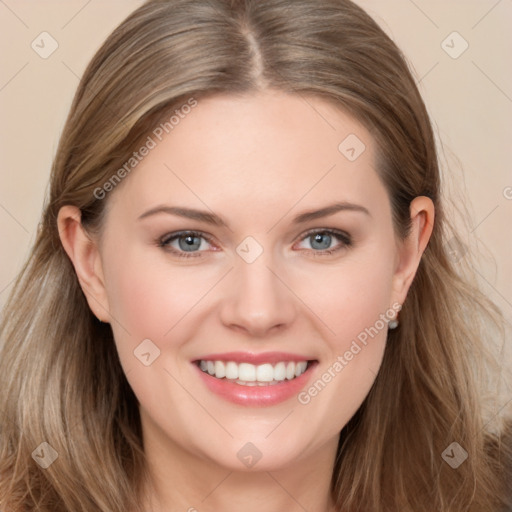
249, 235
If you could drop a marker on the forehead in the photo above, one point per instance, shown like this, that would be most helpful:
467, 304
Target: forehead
271, 125
268, 149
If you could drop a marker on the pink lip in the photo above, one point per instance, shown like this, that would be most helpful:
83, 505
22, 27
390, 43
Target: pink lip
256, 396
249, 357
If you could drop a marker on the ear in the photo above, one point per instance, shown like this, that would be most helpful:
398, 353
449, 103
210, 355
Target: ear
410, 251
83, 253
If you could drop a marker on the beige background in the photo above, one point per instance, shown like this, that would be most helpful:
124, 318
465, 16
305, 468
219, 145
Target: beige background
469, 98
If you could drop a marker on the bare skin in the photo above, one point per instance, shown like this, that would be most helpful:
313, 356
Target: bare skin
257, 162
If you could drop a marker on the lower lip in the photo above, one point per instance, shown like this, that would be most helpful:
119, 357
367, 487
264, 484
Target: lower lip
256, 396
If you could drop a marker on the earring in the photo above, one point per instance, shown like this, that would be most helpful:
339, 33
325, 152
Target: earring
393, 324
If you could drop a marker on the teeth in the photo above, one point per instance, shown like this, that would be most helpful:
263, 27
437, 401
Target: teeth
251, 375
300, 368
220, 369
231, 370
280, 371
246, 372
290, 371
264, 373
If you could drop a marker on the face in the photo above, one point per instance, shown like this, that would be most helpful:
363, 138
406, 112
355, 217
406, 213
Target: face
250, 244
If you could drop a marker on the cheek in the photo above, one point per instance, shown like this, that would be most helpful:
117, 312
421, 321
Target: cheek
355, 308
350, 297
150, 298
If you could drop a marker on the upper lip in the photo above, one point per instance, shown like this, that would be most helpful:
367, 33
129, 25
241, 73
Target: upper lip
252, 358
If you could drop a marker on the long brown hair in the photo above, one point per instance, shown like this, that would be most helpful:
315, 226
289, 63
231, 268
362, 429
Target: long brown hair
60, 375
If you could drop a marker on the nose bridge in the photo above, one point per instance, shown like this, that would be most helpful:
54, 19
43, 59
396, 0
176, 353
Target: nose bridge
257, 301
257, 281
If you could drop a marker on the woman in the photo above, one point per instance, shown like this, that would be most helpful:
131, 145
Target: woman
241, 295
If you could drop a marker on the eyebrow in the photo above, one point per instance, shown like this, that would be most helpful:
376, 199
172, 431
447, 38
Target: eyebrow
330, 210
212, 218
188, 213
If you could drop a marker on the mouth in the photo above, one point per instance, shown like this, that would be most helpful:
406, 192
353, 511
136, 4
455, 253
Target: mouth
255, 380
247, 374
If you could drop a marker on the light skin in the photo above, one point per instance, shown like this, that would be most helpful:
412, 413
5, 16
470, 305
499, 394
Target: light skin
257, 162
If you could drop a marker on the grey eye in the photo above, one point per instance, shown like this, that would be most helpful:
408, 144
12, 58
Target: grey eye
320, 241
189, 243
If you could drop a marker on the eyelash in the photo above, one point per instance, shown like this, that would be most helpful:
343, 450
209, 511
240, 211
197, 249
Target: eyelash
344, 238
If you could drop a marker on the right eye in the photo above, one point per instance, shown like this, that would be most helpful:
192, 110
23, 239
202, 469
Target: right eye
185, 244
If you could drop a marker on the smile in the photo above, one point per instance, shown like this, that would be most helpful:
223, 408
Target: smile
248, 374
255, 380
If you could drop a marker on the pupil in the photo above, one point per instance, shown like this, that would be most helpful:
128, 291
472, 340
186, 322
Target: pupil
189, 242
321, 241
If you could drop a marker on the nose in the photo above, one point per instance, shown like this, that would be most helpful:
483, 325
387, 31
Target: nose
257, 302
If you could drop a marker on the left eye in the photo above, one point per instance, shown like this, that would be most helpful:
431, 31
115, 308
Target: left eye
323, 241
